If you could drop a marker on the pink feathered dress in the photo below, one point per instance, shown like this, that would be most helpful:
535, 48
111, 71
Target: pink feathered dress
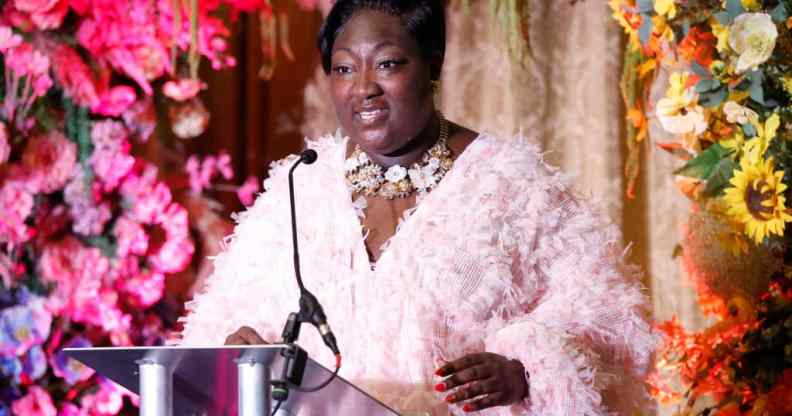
500, 257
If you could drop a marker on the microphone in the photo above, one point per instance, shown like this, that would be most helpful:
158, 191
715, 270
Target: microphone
311, 310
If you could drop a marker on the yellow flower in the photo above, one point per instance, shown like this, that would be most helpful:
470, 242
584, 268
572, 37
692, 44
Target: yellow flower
722, 33
735, 143
665, 8
765, 133
618, 7
756, 198
787, 82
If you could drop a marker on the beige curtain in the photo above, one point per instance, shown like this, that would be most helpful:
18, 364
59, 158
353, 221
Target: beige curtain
568, 100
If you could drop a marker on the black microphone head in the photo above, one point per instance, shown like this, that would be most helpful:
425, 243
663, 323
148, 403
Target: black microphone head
308, 156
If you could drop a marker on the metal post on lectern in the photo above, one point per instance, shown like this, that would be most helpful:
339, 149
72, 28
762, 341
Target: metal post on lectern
156, 388
253, 386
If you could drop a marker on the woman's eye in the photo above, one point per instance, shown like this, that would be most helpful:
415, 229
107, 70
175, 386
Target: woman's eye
389, 64
341, 69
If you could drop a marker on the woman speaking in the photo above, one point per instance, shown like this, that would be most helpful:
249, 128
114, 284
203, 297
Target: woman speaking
459, 272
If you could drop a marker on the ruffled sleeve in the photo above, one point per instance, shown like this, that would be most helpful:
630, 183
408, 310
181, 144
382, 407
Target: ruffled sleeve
585, 342
246, 287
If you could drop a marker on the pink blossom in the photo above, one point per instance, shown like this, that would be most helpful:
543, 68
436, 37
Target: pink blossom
36, 403
173, 252
74, 76
145, 197
246, 192
43, 14
8, 39
16, 204
114, 101
77, 271
183, 89
5, 148
52, 155
142, 290
111, 160
224, 165
131, 239
69, 409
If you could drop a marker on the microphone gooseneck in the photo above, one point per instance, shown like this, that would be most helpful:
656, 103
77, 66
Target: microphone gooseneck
311, 310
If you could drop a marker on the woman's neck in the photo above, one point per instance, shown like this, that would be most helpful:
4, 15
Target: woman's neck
413, 150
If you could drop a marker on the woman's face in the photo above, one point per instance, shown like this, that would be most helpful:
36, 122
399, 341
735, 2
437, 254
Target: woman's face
380, 83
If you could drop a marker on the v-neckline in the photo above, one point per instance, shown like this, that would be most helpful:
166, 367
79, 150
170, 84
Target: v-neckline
407, 216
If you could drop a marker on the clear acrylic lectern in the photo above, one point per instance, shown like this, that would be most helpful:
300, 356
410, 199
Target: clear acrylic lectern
229, 380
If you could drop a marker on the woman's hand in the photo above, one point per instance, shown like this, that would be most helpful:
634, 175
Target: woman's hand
489, 379
245, 336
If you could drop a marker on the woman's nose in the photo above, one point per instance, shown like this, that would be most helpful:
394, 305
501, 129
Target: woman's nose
366, 85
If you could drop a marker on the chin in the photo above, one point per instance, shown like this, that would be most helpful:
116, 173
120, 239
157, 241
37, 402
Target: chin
375, 141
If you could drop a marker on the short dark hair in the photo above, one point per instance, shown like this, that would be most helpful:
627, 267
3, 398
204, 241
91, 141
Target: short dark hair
424, 19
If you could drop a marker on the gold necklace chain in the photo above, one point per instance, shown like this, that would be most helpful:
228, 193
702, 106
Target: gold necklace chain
371, 179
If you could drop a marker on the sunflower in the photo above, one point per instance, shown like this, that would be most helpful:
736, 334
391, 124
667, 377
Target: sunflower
756, 198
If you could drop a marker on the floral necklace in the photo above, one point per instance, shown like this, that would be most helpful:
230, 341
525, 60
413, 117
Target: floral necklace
371, 179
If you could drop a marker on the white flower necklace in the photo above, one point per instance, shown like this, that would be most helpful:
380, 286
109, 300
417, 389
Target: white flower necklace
371, 179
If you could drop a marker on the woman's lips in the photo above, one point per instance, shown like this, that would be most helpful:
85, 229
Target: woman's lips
371, 117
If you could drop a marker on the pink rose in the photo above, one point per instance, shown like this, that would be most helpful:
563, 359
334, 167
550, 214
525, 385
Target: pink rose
36, 403
145, 196
53, 156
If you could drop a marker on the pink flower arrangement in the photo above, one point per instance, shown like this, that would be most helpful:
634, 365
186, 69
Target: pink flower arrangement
88, 231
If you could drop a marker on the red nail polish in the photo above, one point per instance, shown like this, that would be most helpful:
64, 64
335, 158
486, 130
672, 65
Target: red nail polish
467, 407
450, 398
440, 387
440, 372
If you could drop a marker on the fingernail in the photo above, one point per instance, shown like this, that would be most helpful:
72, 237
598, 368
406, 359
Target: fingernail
450, 398
440, 372
440, 387
468, 407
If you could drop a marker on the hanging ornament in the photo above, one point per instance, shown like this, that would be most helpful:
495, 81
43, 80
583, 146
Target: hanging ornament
189, 119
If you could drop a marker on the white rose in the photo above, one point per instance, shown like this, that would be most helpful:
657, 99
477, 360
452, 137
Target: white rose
736, 113
753, 37
395, 173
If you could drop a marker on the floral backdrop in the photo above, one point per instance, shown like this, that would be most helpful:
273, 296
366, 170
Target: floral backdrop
710, 82
89, 232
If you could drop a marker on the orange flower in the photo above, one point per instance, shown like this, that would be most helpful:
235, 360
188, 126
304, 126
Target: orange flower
698, 45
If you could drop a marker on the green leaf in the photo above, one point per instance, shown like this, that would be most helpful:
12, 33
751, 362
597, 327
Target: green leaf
779, 13
707, 84
720, 176
702, 166
700, 70
713, 98
755, 87
646, 28
734, 8
724, 18
748, 129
